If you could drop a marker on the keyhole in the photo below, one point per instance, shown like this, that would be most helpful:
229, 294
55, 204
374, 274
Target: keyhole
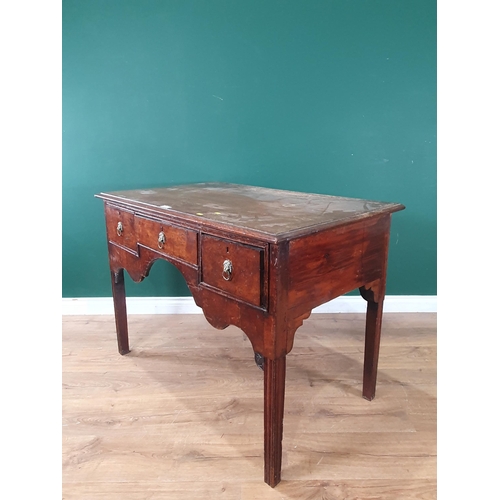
227, 249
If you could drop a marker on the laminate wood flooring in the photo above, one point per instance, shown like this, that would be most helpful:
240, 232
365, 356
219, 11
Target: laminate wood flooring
181, 416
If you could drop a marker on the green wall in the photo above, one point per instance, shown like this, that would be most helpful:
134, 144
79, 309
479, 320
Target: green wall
334, 97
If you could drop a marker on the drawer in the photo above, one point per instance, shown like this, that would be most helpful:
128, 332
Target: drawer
237, 269
120, 227
168, 239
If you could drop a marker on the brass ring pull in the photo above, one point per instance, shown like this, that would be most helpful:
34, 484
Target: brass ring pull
161, 239
227, 270
119, 229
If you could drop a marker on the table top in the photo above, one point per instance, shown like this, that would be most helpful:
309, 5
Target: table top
274, 213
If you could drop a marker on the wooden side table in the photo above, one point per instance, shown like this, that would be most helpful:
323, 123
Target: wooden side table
257, 258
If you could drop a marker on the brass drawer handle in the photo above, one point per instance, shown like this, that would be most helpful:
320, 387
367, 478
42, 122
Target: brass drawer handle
161, 239
227, 270
119, 229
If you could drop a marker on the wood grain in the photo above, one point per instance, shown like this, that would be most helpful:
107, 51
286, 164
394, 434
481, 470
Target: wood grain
181, 415
327, 264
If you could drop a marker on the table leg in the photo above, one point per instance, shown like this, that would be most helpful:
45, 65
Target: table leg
274, 402
118, 289
372, 345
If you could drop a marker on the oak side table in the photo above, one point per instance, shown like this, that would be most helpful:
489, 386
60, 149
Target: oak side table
260, 259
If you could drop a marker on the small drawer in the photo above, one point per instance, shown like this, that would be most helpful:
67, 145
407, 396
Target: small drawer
234, 268
167, 239
120, 227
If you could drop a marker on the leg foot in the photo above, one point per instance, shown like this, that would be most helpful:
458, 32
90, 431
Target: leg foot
118, 289
274, 401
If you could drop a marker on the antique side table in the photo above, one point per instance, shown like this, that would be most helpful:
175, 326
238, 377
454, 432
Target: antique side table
257, 258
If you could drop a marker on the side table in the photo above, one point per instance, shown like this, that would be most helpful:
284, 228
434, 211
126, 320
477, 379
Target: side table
257, 258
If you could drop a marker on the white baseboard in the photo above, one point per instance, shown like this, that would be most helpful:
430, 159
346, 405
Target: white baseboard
186, 305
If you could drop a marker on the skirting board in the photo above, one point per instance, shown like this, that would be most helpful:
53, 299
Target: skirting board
186, 305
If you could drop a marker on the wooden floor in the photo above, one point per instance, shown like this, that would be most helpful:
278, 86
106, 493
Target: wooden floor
181, 416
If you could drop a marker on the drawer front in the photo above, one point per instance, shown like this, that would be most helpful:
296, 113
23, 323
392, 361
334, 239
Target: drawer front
237, 269
120, 227
167, 239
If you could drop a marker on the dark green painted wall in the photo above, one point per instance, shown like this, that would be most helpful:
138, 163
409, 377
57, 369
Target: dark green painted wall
335, 97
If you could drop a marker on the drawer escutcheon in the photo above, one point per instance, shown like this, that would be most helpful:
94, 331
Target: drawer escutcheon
161, 239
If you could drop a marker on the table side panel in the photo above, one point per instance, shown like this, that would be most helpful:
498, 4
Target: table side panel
376, 250
332, 262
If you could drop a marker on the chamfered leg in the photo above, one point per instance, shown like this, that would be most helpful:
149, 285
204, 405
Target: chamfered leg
118, 289
274, 402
